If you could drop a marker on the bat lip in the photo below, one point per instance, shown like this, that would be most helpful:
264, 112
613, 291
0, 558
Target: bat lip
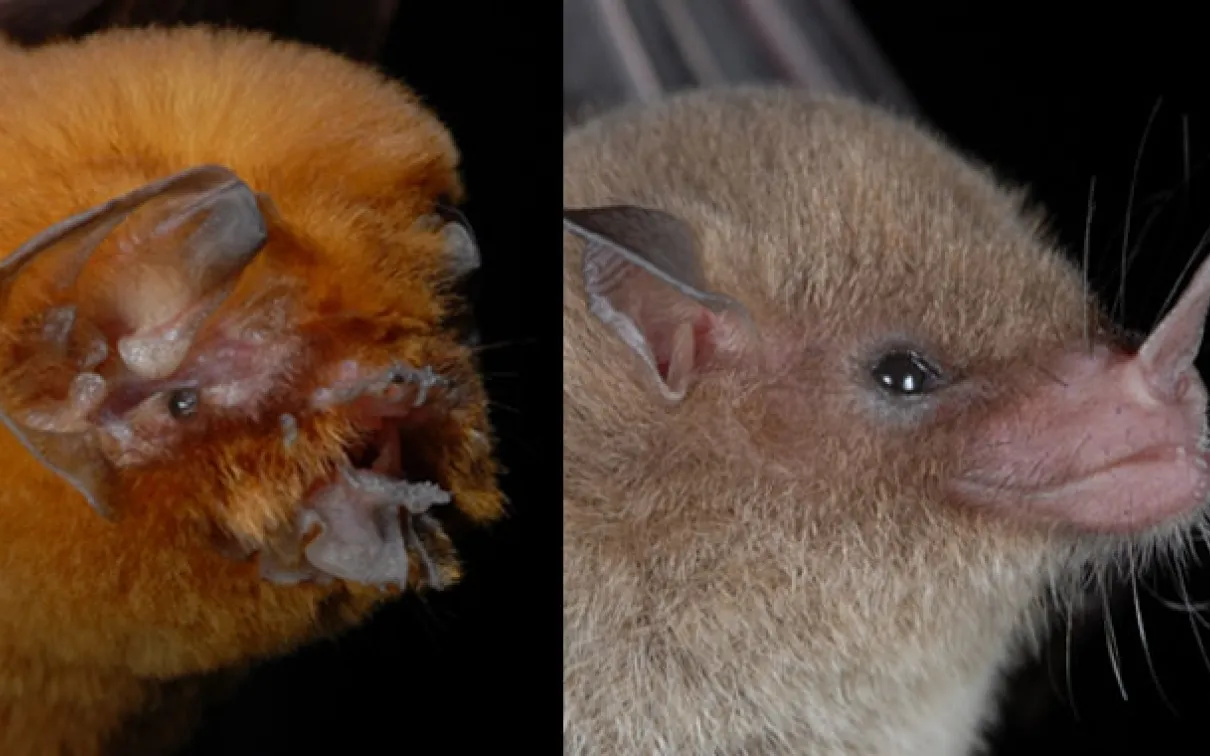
390, 475
1101, 498
396, 449
379, 519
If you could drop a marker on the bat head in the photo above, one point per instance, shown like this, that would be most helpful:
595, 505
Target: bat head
183, 346
838, 416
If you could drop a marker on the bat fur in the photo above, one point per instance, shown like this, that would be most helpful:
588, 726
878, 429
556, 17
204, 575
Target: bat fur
765, 560
97, 615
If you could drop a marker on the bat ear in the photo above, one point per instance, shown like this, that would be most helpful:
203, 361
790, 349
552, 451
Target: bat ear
149, 266
74, 456
139, 273
643, 275
461, 248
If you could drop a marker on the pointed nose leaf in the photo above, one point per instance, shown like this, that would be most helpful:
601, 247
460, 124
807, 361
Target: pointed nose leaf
1169, 352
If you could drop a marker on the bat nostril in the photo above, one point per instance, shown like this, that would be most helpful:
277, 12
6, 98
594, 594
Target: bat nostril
1164, 384
1181, 388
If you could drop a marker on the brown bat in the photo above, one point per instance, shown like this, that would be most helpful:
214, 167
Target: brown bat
838, 415
236, 416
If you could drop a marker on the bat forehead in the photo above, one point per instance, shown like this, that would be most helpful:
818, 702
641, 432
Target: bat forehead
831, 201
356, 264
978, 283
968, 299
972, 291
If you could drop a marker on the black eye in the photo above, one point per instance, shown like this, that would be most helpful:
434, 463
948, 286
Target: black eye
905, 373
183, 402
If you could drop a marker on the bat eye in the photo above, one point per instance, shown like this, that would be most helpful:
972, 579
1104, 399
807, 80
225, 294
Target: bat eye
183, 403
905, 373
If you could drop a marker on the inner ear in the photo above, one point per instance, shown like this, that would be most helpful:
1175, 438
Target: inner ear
169, 265
134, 277
644, 278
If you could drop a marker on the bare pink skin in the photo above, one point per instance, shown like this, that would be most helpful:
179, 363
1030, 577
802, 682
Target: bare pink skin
1113, 442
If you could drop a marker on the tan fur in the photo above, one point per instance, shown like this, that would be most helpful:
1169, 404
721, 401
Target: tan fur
767, 567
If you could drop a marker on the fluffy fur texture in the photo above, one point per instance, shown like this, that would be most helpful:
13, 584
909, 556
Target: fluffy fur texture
95, 614
771, 566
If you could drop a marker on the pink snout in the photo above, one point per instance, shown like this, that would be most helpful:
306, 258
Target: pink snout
1101, 440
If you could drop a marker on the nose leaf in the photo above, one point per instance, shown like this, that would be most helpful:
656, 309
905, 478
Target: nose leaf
1168, 353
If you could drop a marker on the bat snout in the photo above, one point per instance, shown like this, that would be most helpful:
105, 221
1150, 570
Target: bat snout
381, 518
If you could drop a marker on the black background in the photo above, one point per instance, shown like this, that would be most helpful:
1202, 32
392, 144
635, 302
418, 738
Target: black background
1054, 95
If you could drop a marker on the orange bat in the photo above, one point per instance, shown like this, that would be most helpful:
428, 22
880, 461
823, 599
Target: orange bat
236, 415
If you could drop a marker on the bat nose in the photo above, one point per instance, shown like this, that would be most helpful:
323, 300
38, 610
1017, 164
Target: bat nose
1171, 384
1116, 444
1166, 357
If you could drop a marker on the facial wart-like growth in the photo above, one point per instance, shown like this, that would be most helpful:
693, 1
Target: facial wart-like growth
839, 418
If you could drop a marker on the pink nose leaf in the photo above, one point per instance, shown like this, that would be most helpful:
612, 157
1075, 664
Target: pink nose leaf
1168, 353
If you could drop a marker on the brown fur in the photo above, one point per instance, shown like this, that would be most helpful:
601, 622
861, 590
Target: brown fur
93, 614
768, 567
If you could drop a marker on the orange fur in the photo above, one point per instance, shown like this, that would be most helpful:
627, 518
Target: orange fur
94, 613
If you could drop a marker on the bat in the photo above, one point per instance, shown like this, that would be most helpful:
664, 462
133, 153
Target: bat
236, 414
838, 415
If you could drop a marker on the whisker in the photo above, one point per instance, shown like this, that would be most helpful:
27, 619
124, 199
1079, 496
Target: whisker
1193, 618
1054, 605
1138, 615
1180, 279
1044, 370
506, 407
1185, 146
1092, 186
480, 348
1138, 160
1071, 691
1137, 247
1188, 606
1188, 169
1111, 641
